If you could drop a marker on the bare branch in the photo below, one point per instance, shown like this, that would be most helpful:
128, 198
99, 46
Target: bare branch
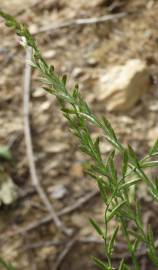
64, 253
29, 147
75, 22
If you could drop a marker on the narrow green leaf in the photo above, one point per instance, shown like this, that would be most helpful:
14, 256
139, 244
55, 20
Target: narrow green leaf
100, 264
115, 210
130, 183
136, 244
150, 164
154, 193
137, 166
125, 163
133, 156
154, 149
69, 111
138, 215
64, 79
123, 266
51, 69
96, 227
75, 93
109, 128
150, 236
111, 243
100, 170
86, 151
45, 81
151, 246
110, 157
112, 168
127, 214
43, 66
104, 188
96, 144
156, 183
97, 149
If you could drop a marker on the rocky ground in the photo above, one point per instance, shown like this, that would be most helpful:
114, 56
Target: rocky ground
84, 52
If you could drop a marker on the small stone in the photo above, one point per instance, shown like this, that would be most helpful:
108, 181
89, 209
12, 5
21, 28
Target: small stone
122, 86
38, 93
44, 106
49, 54
77, 72
56, 148
150, 4
33, 28
58, 192
153, 107
8, 190
92, 61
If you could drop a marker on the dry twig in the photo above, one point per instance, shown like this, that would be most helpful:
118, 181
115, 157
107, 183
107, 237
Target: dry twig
29, 148
79, 203
66, 210
85, 240
74, 22
82, 240
30, 253
92, 240
64, 253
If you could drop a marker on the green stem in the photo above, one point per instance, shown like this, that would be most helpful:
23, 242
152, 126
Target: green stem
133, 255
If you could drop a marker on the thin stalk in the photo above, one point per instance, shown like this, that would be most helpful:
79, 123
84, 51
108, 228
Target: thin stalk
133, 255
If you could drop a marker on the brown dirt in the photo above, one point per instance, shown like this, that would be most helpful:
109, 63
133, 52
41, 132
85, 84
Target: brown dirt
81, 52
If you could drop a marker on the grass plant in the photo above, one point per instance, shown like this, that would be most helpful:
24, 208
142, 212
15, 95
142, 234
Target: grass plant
115, 184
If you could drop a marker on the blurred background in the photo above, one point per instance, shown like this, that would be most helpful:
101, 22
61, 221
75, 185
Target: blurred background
108, 47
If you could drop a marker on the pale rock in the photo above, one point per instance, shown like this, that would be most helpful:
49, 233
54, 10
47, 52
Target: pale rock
38, 93
49, 54
77, 72
33, 28
92, 61
58, 191
44, 106
8, 190
56, 148
154, 106
122, 86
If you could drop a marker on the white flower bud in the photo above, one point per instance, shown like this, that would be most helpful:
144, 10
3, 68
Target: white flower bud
23, 42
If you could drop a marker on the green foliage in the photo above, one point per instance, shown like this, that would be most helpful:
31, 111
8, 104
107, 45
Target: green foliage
5, 265
5, 152
115, 185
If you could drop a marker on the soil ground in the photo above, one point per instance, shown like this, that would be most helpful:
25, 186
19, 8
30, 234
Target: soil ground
82, 52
